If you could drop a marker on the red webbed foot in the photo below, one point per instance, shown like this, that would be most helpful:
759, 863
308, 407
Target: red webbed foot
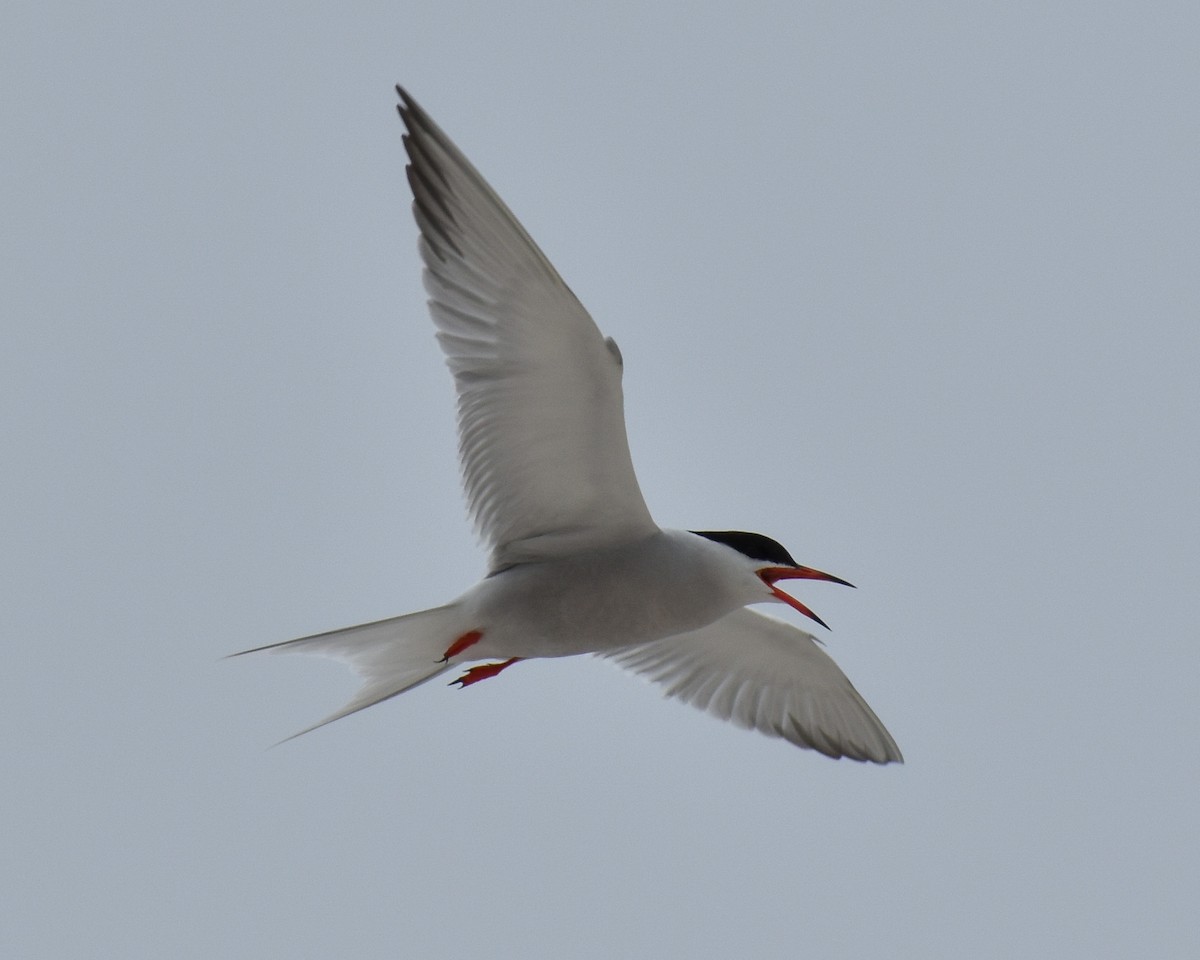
468, 639
482, 671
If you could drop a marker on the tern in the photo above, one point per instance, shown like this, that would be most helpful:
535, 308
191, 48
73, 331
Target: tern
577, 563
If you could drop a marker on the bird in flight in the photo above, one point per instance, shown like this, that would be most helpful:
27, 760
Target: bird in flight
577, 563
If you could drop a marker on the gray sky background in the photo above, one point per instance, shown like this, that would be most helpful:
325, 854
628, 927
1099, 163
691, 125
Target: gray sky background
912, 288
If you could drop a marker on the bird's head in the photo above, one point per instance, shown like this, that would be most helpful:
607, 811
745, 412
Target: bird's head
772, 563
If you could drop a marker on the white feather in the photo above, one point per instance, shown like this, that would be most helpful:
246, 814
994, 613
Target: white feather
767, 675
541, 422
391, 656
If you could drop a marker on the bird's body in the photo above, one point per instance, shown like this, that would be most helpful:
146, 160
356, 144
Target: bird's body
577, 563
604, 599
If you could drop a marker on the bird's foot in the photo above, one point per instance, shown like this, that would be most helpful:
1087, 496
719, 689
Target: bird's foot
482, 671
458, 646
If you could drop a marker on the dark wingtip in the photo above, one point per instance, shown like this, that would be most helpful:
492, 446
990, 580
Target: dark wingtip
406, 104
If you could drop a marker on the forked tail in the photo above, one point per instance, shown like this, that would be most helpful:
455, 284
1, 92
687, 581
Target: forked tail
391, 656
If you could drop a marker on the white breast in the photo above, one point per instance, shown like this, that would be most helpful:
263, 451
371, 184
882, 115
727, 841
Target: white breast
668, 583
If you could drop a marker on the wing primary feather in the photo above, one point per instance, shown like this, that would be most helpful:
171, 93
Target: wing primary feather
768, 675
537, 382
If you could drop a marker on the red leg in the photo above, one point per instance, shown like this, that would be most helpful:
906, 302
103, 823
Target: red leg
461, 644
482, 671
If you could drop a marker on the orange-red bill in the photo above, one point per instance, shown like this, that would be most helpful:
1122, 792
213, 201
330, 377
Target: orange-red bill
770, 575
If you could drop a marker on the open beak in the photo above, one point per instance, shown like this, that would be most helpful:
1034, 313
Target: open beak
770, 575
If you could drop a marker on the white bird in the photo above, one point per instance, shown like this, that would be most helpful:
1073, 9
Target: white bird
577, 563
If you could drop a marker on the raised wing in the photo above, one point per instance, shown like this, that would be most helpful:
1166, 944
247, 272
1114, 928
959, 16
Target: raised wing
540, 411
765, 674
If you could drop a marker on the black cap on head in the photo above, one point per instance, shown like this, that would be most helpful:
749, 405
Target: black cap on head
753, 545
